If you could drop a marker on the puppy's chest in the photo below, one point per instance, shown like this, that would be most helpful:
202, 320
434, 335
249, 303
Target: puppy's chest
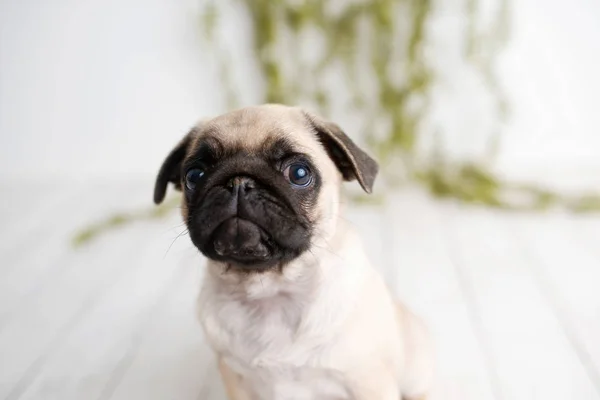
285, 382
264, 345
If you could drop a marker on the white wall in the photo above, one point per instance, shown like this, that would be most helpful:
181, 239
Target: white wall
98, 87
552, 71
104, 88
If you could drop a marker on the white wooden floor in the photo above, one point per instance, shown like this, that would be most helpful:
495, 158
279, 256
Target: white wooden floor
513, 300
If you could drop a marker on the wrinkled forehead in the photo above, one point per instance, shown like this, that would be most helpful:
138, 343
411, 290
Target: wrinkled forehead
256, 129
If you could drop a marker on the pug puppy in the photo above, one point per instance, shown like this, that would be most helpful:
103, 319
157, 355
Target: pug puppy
290, 303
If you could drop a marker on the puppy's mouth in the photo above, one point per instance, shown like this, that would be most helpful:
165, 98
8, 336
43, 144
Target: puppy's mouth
245, 224
242, 242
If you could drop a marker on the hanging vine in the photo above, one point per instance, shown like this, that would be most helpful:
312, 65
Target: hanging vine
393, 58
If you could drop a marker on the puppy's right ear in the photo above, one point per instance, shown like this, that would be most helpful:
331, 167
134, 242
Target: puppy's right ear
170, 171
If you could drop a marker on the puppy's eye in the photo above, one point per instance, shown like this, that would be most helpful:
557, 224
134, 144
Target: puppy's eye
192, 177
298, 174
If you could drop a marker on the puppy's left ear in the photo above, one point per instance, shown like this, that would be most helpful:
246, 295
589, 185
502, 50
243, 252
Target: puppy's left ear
170, 171
350, 159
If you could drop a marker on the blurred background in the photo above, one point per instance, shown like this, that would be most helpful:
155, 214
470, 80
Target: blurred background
485, 218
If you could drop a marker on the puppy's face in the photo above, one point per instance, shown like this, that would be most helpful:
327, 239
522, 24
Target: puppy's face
261, 183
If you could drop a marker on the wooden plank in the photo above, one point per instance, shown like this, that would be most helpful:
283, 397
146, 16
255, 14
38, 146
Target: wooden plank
104, 343
428, 284
173, 360
565, 259
24, 204
524, 338
42, 324
36, 259
37, 219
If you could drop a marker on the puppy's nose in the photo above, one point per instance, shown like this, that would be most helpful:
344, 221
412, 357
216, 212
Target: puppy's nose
241, 183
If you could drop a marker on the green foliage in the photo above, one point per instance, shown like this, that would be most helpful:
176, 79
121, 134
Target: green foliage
118, 220
277, 27
394, 57
379, 41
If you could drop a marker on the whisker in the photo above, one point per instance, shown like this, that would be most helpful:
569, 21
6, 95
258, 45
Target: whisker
328, 250
185, 232
181, 225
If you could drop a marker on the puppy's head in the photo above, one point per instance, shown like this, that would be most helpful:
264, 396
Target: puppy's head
261, 184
